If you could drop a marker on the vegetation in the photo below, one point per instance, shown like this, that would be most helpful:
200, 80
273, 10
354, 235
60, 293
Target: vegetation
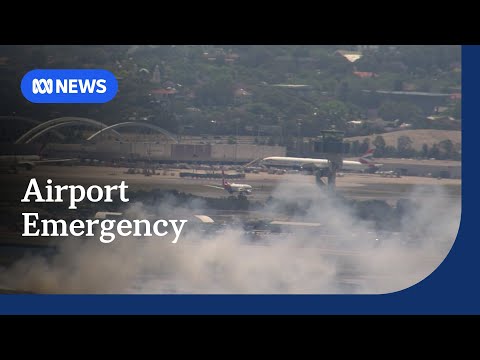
233, 90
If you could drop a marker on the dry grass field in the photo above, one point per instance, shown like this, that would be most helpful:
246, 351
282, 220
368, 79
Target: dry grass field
419, 137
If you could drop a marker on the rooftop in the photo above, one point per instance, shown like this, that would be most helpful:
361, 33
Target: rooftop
414, 93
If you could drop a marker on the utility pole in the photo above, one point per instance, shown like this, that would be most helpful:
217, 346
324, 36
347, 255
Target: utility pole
236, 137
299, 137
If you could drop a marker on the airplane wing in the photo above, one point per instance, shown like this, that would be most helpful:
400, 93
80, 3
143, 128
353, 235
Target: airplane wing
53, 161
312, 166
215, 187
242, 190
25, 164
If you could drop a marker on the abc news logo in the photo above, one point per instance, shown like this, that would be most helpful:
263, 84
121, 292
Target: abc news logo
56, 86
68, 86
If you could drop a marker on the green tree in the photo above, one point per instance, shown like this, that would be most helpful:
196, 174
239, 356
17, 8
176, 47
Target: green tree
335, 113
403, 111
390, 151
365, 146
355, 148
434, 152
398, 85
447, 147
404, 146
425, 150
379, 143
216, 93
343, 91
457, 110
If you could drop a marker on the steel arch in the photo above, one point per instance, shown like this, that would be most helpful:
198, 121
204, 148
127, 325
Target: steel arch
136, 123
51, 124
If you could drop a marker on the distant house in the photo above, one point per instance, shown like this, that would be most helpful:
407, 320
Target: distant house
355, 123
440, 118
231, 57
365, 74
404, 126
214, 53
351, 56
161, 93
456, 96
241, 92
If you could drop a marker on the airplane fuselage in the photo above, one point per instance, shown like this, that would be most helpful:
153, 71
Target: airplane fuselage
242, 188
319, 163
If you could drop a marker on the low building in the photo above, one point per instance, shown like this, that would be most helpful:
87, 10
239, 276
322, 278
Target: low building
447, 169
351, 56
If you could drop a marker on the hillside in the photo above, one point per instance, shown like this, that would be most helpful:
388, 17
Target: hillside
418, 137
248, 89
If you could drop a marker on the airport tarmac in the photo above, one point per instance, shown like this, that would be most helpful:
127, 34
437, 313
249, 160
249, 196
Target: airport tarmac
350, 185
355, 186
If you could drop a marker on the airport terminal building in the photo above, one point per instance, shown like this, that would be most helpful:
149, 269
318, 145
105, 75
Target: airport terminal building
163, 151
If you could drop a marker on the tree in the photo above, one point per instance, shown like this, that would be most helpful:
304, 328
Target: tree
355, 148
447, 147
425, 150
404, 146
379, 143
457, 110
343, 91
434, 152
333, 113
218, 92
365, 146
398, 85
390, 151
403, 111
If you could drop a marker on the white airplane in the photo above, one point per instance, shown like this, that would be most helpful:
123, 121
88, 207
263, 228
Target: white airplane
232, 188
364, 163
390, 173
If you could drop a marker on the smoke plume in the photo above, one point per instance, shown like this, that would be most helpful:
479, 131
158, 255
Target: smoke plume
342, 255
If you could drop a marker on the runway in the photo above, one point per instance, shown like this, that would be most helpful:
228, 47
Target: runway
218, 265
354, 186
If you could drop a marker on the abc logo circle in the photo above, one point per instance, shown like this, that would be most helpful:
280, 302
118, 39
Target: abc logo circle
69, 86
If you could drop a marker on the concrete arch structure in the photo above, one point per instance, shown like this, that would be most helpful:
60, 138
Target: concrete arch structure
136, 123
55, 124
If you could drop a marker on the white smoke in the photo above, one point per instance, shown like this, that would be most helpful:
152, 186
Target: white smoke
342, 255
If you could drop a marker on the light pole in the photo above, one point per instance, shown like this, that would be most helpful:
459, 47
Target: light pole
236, 136
299, 135
281, 123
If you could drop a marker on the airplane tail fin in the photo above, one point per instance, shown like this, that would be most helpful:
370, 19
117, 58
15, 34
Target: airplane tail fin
224, 182
367, 158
